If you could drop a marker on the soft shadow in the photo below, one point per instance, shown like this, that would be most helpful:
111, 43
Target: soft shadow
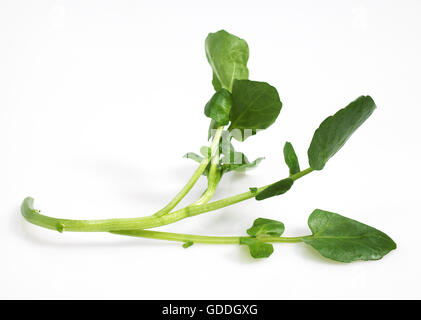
182, 173
126, 180
309, 253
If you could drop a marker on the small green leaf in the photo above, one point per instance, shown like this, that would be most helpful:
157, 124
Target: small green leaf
291, 159
249, 165
205, 151
335, 130
187, 244
199, 159
343, 239
225, 145
257, 248
240, 167
262, 226
227, 55
275, 189
253, 189
255, 106
60, 227
233, 160
219, 106
193, 156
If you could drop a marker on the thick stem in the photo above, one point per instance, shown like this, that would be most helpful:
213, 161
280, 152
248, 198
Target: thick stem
147, 222
213, 181
300, 174
214, 176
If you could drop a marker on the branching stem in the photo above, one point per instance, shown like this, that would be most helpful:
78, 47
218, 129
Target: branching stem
183, 192
147, 222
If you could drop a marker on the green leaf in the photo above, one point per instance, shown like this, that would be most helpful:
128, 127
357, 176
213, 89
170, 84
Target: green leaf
291, 159
255, 106
193, 156
215, 82
343, 239
335, 130
206, 151
257, 248
275, 189
227, 55
253, 189
262, 226
233, 160
240, 167
187, 244
219, 106
197, 158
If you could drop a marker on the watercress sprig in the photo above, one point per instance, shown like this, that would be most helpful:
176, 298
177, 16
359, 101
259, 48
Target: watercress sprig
333, 236
239, 109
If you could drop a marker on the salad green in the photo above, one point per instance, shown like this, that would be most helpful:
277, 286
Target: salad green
239, 109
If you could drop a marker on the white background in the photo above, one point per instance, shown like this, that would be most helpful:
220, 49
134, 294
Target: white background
99, 101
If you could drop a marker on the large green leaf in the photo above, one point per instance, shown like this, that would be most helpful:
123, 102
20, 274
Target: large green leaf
335, 130
275, 189
291, 159
343, 239
255, 106
257, 248
227, 55
219, 106
262, 226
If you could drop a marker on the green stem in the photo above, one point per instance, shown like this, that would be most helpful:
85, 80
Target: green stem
214, 149
199, 239
195, 210
147, 222
178, 237
300, 174
213, 181
283, 239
